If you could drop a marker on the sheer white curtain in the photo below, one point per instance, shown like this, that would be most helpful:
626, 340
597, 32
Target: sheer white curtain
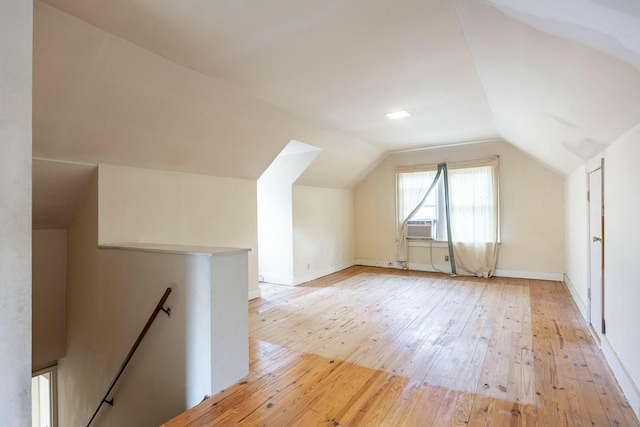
473, 204
413, 187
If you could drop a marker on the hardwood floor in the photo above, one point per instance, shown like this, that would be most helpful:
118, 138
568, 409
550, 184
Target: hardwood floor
381, 347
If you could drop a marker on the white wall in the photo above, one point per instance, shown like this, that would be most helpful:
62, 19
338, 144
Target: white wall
621, 277
16, 28
531, 211
49, 280
151, 206
576, 224
275, 235
323, 231
275, 212
621, 274
110, 295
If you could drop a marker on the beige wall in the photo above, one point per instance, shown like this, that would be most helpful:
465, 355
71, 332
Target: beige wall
110, 295
49, 280
323, 231
151, 206
16, 18
531, 211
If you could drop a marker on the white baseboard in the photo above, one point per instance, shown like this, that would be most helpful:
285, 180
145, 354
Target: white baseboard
538, 275
277, 279
582, 307
321, 273
430, 268
629, 388
295, 281
397, 265
255, 293
446, 269
374, 263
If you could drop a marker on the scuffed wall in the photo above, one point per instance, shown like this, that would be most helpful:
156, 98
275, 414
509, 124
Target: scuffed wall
16, 26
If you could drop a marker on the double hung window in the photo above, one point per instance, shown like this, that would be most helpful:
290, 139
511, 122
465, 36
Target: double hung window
456, 203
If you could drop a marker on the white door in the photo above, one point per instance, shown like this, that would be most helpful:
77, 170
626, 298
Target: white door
596, 248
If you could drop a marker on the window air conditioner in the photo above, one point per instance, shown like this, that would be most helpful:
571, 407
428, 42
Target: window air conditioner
420, 230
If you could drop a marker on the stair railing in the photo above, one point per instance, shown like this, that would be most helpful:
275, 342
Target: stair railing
159, 307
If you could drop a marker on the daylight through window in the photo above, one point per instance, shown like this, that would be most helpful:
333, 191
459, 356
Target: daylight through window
471, 192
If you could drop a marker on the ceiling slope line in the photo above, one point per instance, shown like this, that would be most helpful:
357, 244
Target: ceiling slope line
441, 146
65, 162
475, 66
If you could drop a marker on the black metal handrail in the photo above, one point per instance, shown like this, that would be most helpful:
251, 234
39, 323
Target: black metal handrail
159, 307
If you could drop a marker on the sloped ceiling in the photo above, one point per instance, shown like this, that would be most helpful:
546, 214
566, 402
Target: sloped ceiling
220, 87
101, 99
555, 97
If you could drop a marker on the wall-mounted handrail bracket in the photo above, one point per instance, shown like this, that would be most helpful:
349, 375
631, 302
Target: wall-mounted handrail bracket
159, 307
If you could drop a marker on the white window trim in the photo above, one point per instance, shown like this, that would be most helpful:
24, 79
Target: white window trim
440, 243
427, 243
53, 390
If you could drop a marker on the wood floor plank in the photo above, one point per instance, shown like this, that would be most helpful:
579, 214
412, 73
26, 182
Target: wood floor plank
399, 405
384, 347
361, 402
327, 401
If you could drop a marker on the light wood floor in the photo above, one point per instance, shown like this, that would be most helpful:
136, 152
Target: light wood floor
370, 346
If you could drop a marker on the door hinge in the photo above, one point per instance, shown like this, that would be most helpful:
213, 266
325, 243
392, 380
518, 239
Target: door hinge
588, 196
589, 293
604, 327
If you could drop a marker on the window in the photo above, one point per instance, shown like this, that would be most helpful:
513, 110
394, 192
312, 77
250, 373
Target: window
429, 209
412, 187
458, 203
473, 204
43, 398
471, 192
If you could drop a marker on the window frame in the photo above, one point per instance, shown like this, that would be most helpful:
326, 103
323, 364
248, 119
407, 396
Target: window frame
441, 239
53, 391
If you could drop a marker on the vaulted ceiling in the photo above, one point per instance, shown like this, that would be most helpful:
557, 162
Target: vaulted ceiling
221, 86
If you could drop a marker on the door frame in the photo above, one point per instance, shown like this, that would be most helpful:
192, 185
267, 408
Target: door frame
591, 167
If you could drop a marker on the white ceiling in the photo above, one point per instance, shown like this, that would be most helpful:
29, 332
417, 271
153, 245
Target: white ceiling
221, 86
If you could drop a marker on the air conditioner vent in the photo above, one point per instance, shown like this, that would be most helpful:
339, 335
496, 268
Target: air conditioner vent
420, 230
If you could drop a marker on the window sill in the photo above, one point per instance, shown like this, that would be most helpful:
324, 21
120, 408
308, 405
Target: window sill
427, 243
431, 243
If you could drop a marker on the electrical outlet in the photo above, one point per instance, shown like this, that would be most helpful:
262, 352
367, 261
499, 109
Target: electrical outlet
446, 258
308, 266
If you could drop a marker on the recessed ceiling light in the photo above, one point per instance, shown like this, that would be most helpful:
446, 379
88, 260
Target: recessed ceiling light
398, 114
